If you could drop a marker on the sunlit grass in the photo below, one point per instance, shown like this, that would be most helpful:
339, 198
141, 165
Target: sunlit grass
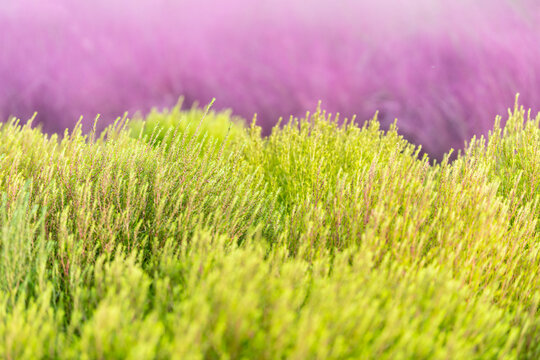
190, 236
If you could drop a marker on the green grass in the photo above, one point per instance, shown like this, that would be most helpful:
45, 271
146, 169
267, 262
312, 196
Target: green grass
189, 236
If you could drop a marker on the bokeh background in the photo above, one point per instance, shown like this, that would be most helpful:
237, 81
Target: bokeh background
444, 69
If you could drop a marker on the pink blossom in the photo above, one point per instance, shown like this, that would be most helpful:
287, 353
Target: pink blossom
444, 69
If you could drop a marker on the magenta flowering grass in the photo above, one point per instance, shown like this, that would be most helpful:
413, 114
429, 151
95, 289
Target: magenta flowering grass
444, 70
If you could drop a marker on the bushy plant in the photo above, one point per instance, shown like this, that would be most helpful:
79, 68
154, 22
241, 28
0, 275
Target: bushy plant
170, 240
214, 129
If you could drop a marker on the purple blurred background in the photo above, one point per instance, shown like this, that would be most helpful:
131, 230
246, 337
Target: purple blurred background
443, 68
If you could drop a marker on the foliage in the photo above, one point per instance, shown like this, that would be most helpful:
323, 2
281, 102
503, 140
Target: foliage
178, 239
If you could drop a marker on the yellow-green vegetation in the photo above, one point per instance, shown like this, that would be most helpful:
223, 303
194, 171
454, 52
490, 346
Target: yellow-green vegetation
203, 125
176, 239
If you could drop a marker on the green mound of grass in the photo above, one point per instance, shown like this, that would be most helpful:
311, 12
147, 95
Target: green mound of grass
212, 129
190, 236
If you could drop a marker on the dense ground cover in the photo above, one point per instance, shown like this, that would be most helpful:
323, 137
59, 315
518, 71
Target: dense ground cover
188, 236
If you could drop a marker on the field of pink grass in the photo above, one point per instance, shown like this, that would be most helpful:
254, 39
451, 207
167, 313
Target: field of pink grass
443, 69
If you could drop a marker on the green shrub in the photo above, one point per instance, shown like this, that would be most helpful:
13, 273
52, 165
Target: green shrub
204, 126
189, 236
